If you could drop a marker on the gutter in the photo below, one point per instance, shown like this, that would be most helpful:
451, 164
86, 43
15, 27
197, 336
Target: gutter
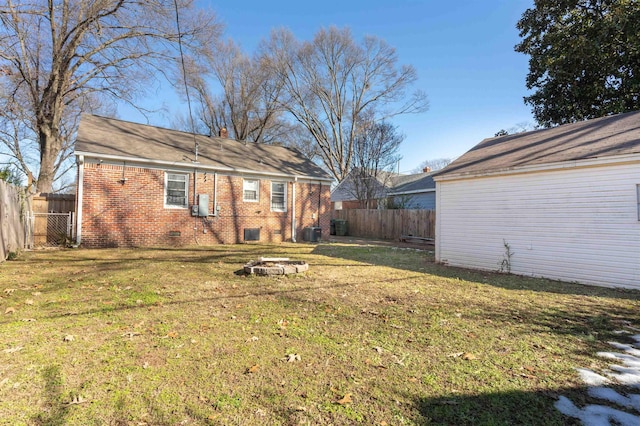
417, 191
293, 210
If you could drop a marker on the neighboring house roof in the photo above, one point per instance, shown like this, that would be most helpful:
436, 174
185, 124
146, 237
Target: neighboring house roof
591, 139
411, 184
389, 184
122, 140
346, 190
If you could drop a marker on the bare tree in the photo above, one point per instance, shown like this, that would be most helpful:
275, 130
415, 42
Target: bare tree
18, 150
521, 127
433, 165
58, 56
332, 83
248, 104
374, 157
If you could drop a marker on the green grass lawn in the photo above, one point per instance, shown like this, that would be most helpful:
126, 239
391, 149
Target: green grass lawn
370, 335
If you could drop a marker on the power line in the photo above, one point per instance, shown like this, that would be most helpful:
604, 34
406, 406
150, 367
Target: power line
184, 79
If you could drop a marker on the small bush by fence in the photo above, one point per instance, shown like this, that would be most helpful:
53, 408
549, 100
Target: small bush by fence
388, 224
13, 209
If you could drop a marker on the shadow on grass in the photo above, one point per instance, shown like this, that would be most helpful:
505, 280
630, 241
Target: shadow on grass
503, 408
55, 411
128, 307
578, 316
426, 264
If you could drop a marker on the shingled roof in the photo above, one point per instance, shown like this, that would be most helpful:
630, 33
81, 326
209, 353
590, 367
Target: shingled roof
591, 139
412, 183
388, 183
122, 140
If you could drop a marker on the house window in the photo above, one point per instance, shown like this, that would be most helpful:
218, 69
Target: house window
278, 196
176, 189
251, 190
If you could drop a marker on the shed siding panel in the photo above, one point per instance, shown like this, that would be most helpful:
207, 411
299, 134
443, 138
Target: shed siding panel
573, 225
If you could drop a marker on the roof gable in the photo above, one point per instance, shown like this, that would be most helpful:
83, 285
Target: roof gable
596, 138
102, 136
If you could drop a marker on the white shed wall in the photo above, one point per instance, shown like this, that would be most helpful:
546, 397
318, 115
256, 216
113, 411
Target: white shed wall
573, 224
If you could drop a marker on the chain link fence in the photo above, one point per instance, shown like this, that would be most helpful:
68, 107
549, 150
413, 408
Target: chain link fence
52, 229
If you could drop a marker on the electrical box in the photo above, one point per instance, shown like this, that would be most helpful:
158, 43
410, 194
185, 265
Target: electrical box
203, 205
202, 208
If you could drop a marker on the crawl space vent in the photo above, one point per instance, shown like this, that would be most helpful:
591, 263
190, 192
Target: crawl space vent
252, 234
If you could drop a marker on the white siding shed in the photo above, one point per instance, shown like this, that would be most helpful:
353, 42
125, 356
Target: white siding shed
570, 212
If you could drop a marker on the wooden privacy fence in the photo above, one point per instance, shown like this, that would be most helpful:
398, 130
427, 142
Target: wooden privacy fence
54, 203
388, 224
13, 210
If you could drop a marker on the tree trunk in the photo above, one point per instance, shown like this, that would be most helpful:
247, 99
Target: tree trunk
49, 150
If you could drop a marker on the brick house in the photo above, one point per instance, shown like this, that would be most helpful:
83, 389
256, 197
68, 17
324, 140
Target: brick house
140, 185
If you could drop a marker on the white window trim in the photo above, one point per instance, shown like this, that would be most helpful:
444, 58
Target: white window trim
166, 186
257, 200
286, 201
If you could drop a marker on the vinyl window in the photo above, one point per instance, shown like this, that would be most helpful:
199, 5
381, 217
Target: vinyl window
278, 196
176, 190
251, 190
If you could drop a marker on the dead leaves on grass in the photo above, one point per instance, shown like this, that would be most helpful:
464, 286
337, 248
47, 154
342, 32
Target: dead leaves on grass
291, 357
467, 356
77, 399
346, 399
170, 335
13, 350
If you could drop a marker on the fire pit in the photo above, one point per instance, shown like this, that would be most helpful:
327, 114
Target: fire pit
275, 266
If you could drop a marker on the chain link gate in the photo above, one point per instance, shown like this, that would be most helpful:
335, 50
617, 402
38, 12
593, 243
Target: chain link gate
52, 229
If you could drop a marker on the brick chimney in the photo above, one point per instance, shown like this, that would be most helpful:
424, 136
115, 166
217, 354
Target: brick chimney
426, 170
223, 133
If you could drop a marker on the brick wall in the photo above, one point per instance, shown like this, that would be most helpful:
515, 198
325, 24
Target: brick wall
131, 212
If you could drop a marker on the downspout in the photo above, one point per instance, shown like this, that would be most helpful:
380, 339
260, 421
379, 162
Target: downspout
195, 190
293, 210
319, 202
79, 199
215, 194
195, 185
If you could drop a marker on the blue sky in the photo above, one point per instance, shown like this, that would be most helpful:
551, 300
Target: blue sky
462, 51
